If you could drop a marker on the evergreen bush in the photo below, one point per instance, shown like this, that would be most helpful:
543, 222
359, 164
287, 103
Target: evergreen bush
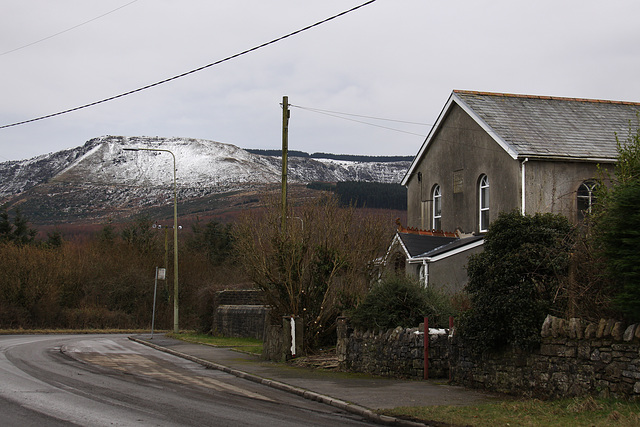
515, 281
617, 224
399, 300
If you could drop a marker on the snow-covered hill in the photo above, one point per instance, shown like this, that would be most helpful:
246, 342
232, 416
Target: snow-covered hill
102, 172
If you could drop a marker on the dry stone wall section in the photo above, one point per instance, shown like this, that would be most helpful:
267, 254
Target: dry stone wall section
395, 353
575, 358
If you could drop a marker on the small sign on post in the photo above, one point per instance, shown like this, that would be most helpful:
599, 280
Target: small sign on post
160, 275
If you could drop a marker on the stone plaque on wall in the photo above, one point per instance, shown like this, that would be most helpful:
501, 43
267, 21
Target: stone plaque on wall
458, 181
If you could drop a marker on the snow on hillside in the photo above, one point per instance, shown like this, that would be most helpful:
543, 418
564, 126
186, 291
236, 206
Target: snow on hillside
202, 167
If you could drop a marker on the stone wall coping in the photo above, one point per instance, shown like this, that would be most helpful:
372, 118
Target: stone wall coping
579, 329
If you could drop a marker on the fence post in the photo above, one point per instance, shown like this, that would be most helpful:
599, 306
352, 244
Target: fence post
426, 348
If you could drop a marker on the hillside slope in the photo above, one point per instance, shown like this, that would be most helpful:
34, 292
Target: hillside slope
101, 179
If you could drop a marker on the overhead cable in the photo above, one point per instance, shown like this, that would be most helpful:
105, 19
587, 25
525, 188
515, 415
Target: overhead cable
363, 122
318, 110
228, 58
68, 29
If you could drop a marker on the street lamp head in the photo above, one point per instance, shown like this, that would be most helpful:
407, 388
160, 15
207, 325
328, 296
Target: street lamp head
131, 149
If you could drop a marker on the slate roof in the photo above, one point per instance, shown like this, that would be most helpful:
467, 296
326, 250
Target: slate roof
417, 244
528, 126
457, 243
539, 126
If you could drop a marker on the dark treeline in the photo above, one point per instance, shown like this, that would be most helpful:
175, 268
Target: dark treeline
277, 153
349, 157
374, 195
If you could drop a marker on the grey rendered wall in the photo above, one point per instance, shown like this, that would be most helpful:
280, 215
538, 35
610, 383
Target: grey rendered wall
552, 186
450, 274
460, 152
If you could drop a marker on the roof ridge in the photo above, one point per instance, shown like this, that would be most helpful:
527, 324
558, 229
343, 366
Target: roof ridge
554, 98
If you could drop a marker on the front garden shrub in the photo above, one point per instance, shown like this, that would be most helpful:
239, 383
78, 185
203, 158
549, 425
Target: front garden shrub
399, 300
617, 226
516, 281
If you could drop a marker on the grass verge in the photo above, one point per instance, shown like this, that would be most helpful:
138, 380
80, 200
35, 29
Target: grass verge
576, 412
248, 345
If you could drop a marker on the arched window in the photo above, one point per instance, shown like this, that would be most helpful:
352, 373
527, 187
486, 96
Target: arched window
586, 198
483, 203
436, 195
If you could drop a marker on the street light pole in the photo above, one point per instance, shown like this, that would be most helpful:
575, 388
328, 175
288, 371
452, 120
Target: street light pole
176, 329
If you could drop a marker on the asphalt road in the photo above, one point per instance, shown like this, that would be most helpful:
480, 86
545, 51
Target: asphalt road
107, 380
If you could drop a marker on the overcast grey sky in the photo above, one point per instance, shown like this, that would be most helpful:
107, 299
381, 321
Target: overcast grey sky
392, 59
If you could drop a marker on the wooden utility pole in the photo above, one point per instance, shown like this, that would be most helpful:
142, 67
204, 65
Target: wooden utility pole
285, 151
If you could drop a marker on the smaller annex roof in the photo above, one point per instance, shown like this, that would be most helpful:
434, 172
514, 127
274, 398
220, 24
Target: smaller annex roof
417, 244
542, 126
459, 245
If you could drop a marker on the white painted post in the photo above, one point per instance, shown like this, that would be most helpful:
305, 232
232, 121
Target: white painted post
293, 336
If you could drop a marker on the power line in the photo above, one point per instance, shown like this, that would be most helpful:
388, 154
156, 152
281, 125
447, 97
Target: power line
318, 110
68, 29
228, 58
363, 122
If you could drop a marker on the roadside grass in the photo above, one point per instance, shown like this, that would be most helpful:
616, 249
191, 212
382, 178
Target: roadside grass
247, 345
576, 412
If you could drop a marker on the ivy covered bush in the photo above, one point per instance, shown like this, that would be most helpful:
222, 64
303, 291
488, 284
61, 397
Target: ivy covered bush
400, 300
617, 227
516, 280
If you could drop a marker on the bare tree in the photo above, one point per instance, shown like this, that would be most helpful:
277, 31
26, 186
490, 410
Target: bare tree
319, 266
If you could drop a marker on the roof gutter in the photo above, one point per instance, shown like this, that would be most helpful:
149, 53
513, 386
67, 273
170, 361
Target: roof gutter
528, 157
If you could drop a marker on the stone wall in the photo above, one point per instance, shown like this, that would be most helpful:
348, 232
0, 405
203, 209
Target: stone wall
397, 352
575, 358
239, 313
240, 321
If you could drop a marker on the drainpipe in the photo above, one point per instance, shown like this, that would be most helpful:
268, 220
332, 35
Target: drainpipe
425, 274
523, 209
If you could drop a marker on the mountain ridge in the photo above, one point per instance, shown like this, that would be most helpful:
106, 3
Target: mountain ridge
101, 178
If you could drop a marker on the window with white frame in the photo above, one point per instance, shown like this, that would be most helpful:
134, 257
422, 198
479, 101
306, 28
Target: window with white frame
436, 222
483, 203
586, 198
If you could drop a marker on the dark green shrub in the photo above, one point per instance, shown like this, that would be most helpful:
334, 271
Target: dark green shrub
514, 282
617, 226
621, 241
398, 300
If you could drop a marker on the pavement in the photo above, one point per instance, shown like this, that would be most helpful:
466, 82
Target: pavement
357, 393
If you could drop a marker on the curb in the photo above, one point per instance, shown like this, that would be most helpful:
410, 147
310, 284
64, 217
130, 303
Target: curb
307, 394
